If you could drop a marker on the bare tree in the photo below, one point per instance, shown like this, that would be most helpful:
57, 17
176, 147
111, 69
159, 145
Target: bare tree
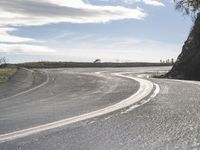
3, 61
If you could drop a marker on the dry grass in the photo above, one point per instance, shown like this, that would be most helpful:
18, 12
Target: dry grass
6, 74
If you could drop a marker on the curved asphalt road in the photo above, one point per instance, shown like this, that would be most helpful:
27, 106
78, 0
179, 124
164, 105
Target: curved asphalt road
168, 121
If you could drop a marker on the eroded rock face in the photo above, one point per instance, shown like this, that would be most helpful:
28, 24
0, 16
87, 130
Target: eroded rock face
188, 62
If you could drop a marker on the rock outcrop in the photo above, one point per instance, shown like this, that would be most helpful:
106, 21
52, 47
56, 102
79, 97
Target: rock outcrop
187, 65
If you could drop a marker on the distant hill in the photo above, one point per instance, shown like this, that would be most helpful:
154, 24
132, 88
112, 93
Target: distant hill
87, 64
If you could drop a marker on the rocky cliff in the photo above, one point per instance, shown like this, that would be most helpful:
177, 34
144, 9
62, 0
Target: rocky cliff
188, 62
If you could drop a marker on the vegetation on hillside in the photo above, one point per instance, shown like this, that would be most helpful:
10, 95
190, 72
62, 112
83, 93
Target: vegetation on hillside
188, 6
86, 64
6, 73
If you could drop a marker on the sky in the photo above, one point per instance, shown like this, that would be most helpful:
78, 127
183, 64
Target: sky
85, 30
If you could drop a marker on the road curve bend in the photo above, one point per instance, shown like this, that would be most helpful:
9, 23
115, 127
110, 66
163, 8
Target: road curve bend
144, 90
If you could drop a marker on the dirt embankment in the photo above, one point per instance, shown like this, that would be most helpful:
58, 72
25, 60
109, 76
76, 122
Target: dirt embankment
23, 79
188, 63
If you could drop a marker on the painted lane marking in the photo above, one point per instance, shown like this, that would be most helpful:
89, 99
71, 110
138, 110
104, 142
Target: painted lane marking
154, 94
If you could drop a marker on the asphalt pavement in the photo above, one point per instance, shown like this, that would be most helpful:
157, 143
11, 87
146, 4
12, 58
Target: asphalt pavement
169, 120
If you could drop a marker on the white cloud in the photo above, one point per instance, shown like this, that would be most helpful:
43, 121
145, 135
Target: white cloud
6, 37
147, 2
25, 49
153, 2
37, 12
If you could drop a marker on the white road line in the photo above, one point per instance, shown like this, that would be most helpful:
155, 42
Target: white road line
99, 72
154, 94
145, 89
29, 90
143, 76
